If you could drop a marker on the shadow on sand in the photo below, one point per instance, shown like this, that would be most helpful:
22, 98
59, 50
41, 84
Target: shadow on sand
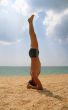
50, 94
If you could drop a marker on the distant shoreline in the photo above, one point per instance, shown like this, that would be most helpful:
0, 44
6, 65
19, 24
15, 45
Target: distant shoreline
25, 70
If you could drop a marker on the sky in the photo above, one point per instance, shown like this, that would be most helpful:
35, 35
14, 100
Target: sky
50, 25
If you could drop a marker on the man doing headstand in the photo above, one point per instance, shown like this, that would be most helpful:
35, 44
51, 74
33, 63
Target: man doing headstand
35, 61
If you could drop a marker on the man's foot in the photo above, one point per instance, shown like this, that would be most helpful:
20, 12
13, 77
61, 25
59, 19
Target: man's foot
30, 20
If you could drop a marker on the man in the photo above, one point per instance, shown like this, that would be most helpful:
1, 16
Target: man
34, 55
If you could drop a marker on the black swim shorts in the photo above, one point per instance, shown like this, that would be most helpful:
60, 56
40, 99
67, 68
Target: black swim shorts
33, 52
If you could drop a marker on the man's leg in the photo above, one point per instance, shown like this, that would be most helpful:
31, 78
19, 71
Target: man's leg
34, 42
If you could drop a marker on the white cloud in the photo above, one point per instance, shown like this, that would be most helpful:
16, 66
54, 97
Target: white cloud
22, 6
3, 2
56, 25
9, 43
56, 5
4, 43
25, 9
51, 19
10, 30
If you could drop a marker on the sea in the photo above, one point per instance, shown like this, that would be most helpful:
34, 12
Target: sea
24, 70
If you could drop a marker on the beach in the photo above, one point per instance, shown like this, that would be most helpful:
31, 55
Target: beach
15, 96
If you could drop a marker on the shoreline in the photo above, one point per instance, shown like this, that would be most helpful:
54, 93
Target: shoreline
28, 75
15, 96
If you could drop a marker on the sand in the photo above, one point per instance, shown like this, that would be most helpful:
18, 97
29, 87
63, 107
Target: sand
15, 96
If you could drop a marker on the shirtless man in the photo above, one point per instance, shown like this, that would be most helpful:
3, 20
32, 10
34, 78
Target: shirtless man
34, 55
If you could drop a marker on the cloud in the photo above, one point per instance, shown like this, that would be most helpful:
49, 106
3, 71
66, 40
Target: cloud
13, 19
22, 7
15, 13
34, 6
9, 25
57, 25
9, 43
3, 3
56, 18
56, 5
12, 23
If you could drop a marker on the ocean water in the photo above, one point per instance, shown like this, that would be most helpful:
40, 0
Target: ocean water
10, 71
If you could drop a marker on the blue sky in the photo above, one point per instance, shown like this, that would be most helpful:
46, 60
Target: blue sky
51, 27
